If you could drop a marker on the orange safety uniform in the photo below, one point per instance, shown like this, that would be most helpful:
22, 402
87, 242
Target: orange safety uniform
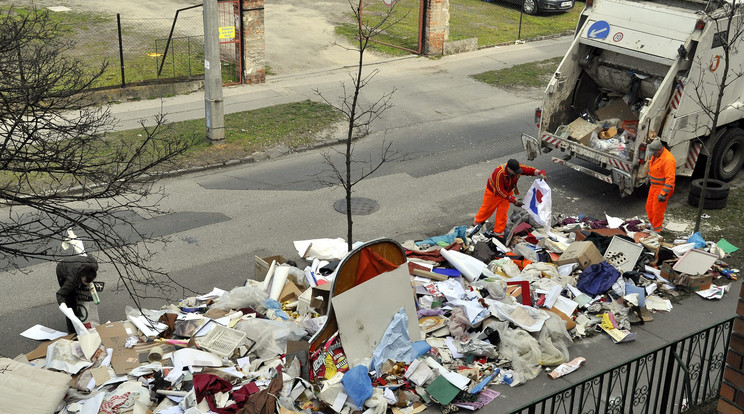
661, 173
499, 194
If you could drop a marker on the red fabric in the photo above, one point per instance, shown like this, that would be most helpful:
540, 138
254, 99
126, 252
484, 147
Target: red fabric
371, 264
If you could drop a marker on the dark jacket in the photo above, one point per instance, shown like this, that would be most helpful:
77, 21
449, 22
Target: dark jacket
70, 271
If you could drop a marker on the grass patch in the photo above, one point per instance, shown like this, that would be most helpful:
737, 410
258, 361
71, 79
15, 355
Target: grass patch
526, 75
294, 125
724, 223
495, 24
492, 24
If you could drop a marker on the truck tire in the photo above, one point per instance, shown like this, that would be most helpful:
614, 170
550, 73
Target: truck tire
728, 155
708, 204
529, 7
715, 190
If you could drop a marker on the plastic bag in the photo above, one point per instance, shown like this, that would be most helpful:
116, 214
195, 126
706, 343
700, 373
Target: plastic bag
357, 384
249, 296
518, 346
697, 238
270, 337
508, 312
479, 348
554, 341
538, 202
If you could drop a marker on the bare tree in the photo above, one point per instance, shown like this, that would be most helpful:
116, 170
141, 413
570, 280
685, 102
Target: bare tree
58, 170
359, 116
710, 94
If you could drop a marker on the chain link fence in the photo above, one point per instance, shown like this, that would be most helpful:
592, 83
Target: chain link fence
142, 50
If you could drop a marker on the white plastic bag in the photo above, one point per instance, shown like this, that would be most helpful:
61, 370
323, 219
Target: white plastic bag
538, 202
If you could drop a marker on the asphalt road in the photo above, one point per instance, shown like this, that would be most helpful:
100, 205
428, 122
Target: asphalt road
453, 129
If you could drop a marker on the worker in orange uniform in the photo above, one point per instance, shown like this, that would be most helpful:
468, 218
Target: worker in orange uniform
662, 168
499, 193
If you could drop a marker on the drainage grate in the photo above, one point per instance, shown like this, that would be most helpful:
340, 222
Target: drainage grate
359, 205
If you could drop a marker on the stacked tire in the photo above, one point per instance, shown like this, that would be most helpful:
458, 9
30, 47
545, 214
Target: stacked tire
716, 194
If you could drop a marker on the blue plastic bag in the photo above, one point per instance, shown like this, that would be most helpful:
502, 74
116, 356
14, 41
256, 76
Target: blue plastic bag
597, 279
697, 238
358, 385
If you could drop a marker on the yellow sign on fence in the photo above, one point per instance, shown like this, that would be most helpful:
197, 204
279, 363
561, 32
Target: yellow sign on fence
227, 32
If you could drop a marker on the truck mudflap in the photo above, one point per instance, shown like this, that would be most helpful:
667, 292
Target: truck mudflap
531, 145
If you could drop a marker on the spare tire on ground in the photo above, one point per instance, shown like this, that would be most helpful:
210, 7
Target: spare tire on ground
708, 203
715, 190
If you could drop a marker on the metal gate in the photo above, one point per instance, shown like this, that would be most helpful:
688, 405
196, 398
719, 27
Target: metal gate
231, 50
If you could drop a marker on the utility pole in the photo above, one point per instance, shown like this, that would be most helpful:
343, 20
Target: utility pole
214, 111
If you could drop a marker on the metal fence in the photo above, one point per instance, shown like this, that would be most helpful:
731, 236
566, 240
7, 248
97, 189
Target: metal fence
670, 379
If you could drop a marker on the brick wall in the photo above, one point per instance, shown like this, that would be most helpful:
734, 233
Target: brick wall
436, 29
254, 43
731, 397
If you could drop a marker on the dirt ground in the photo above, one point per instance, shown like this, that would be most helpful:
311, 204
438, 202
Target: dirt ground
299, 33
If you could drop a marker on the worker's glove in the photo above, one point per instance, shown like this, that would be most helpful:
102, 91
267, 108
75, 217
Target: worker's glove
541, 174
662, 198
513, 199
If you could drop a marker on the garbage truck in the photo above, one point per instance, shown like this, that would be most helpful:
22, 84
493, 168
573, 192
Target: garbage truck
637, 70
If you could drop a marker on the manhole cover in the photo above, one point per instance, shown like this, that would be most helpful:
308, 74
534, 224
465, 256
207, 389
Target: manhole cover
359, 205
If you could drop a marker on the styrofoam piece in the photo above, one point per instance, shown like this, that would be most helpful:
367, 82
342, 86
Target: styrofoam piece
631, 252
695, 262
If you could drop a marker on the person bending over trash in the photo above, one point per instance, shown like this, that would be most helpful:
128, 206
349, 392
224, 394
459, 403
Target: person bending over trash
73, 274
499, 193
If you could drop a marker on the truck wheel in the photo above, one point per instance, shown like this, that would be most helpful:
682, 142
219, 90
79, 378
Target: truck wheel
728, 155
708, 204
529, 7
715, 190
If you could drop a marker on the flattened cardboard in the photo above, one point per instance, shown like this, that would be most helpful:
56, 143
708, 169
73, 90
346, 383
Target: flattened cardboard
364, 312
41, 350
114, 335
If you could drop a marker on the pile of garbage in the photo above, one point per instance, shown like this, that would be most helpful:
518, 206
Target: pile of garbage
612, 129
385, 327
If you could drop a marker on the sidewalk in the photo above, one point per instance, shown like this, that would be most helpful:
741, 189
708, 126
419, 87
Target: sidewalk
300, 86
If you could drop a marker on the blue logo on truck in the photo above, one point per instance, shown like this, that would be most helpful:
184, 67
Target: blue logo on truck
598, 30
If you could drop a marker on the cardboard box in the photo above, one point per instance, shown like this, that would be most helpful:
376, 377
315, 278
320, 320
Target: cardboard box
683, 280
315, 299
585, 253
581, 130
261, 265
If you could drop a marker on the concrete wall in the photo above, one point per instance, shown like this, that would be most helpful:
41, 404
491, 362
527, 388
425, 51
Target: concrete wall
731, 398
436, 26
254, 42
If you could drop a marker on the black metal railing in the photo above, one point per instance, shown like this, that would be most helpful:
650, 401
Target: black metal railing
667, 380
